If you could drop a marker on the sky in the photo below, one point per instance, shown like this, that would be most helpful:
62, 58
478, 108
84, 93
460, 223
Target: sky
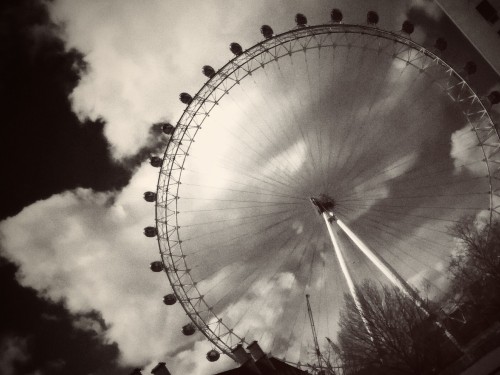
82, 84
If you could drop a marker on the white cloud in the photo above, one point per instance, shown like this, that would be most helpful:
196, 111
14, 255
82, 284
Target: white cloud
142, 55
87, 250
86, 323
464, 152
266, 300
431, 8
290, 160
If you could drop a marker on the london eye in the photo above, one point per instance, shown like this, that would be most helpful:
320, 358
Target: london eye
314, 159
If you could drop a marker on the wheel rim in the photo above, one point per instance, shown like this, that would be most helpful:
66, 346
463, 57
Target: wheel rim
288, 45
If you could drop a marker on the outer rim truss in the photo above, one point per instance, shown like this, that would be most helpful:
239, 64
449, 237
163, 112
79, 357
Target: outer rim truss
231, 74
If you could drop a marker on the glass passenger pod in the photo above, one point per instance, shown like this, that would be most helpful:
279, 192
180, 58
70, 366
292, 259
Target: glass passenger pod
407, 27
494, 97
300, 20
155, 161
156, 266
470, 68
441, 44
189, 329
208, 71
149, 196
167, 128
169, 299
266, 31
150, 231
185, 98
336, 15
213, 355
372, 18
236, 49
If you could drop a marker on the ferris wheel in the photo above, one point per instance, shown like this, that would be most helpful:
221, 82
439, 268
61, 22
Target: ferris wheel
316, 158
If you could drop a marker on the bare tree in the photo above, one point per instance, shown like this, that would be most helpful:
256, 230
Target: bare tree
478, 257
475, 271
403, 339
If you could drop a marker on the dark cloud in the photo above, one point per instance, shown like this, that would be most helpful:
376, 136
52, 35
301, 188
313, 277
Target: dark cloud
53, 344
46, 150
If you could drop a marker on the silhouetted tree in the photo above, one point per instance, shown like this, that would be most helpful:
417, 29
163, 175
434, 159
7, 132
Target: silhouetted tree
403, 340
475, 271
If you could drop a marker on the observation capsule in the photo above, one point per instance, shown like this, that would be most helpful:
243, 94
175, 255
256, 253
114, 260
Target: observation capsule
156, 266
149, 196
300, 20
167, 128
407, 27
470, 67
494, 97
336, 15
208, 71
185, 98
155, 161
213, 355
441, 44
236, 49
372, 18
169, 299
267, 31
150, 231
188, 329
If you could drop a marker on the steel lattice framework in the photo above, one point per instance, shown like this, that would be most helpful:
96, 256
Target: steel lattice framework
301, 39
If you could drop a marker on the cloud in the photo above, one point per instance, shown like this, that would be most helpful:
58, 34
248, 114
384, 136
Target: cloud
266, 300
469, 157
290, 160
138, 56
465, 154
87, 250
429, 7
87, 323
13, 350
431, 282
142, 55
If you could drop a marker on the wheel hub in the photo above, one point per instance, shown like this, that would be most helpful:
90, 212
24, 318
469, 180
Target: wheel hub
324, 204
